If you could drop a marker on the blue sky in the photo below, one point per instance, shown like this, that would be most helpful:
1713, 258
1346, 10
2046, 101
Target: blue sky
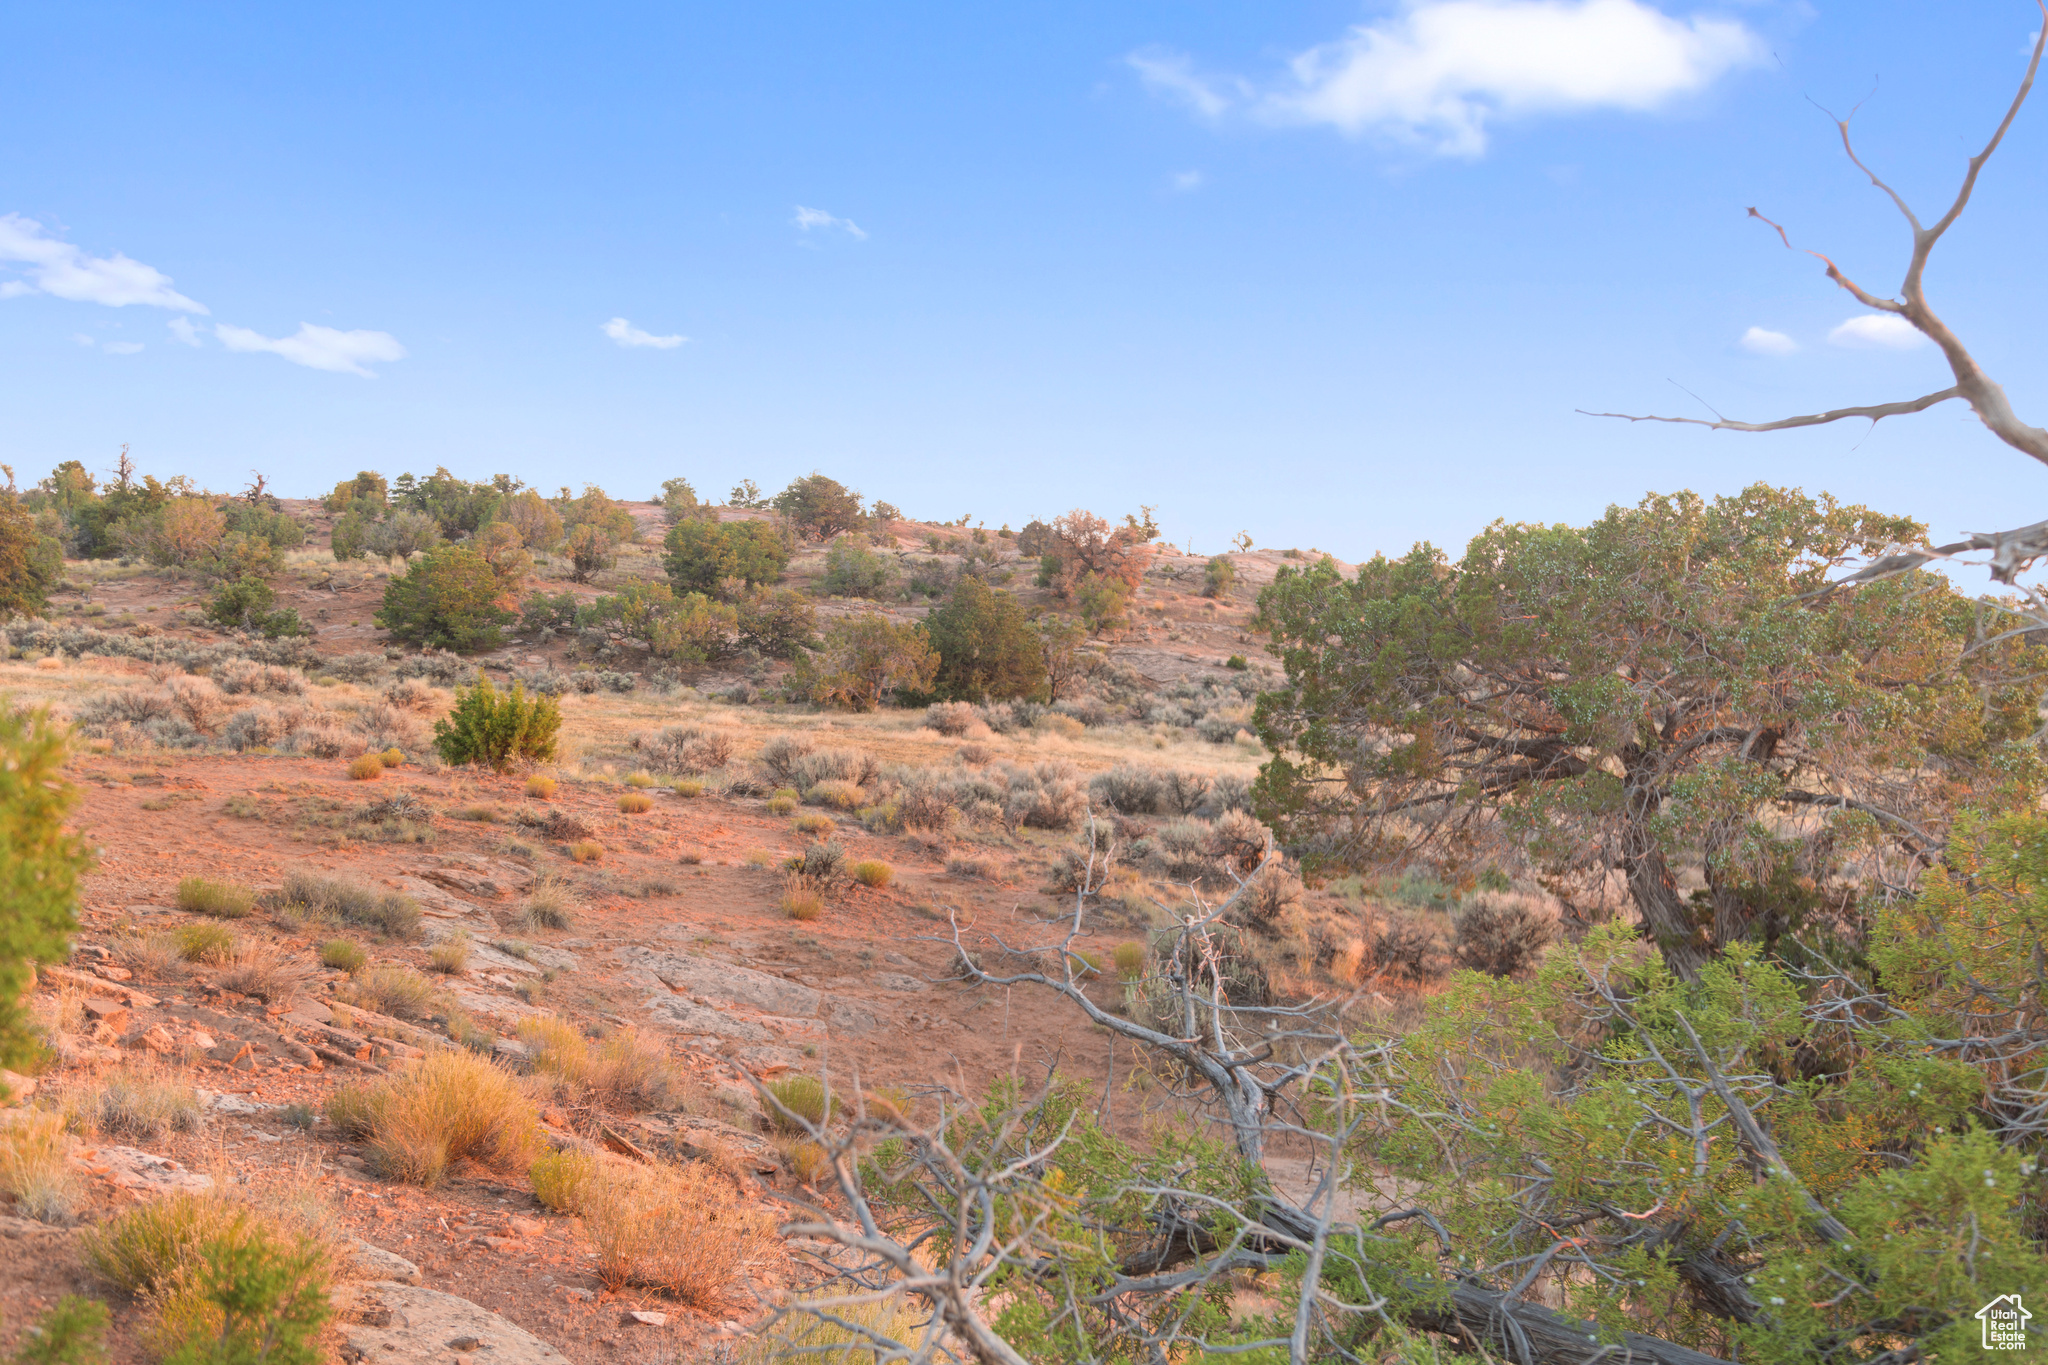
1334, 273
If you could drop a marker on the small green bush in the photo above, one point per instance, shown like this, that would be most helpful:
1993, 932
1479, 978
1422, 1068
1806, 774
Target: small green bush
872, 872
72, 1333
40, 864
222, 900
1238, 662
495, 730
814, 822
802, 1096
447, 599
781, 804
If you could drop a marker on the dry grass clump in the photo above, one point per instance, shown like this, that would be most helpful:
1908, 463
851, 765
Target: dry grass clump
550, 905
639, 781
586, 851
222, 900
366, 767
837, 794
343, 954
443, 1108
413, 694
807, 1160
622, 1069
34, 1167
213, 944
140, 1102
540, 788
389, 989
800, 901
803, 1335
684, 1230
782, 803
266, 972
326, 898
759, 857
689, 788
971, 869
635, 803
152, 954
450, 956
1129, 960
803, 1097
872, 872
559, 1179
814, 822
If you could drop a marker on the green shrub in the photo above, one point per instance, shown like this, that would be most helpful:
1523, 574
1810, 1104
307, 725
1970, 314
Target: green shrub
819, 508
854, 570
223, 1284
72, 1333
222, 900
1238, 662
1217, 576
802, 1096
248, 603
495, 730
782, 803
702, 554
987, 649
591, 552
31, 563
389, 989
40, 864
447, 599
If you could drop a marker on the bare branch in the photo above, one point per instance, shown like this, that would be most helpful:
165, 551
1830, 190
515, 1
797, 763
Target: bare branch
1876, 412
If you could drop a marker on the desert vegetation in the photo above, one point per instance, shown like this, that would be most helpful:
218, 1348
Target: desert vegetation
1619, 939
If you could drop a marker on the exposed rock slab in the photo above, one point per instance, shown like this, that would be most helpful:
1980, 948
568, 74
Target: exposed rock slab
721, 983
402, 1324
144, 1172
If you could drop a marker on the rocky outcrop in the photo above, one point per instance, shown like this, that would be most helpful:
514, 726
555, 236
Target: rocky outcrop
391, 1323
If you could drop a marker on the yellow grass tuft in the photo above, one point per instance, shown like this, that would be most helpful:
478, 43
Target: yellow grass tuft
448, 1107
366, 768
636, 803
222, 900
540, 788
683, 1230
872, 872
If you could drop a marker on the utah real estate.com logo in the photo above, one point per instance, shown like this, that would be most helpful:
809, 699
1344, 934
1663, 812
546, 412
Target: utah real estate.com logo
2005, 1323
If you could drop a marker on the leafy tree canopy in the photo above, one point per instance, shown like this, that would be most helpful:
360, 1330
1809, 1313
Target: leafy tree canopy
41, 862
31, 563
1668, 687
448, 599
987, 649
819, 508
703, 554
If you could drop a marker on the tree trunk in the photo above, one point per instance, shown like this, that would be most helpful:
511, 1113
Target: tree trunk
1668, 921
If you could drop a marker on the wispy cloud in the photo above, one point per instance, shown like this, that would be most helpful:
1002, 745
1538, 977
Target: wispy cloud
1437, 75
626, 334
1877, 332
61, 270
319, 348
183, 330
806, 219
1187, 182
122, 347
1763, 341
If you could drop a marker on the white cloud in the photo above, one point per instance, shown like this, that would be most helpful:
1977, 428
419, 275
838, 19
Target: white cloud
1187, 181
1171, 74
183, 330
1436, 75
1877, 332
122, 347
84, 340
807, 219
319, 348
62, 271
626, 334
1763, 341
